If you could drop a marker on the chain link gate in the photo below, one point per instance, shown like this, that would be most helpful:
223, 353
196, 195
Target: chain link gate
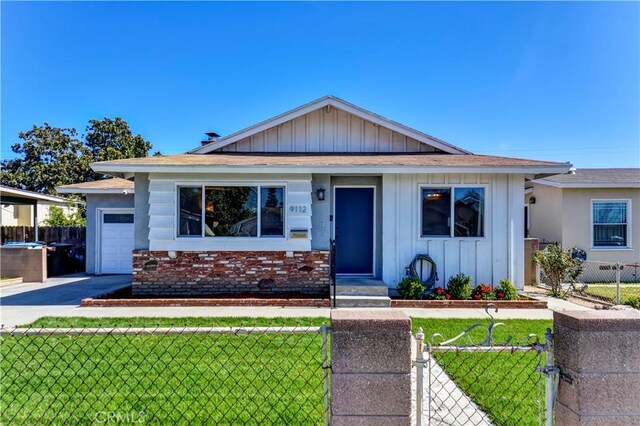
165, 375
485, 383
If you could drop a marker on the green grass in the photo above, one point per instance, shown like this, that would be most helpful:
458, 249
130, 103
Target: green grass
608, 292
177, 322
175, 379
504, 385
229, 379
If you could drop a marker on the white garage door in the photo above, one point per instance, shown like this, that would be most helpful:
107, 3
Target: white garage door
117, 243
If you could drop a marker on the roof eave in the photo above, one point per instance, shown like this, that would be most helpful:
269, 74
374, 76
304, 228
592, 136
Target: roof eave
584, 185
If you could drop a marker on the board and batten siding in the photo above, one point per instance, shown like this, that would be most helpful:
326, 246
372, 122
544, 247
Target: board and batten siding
334, 130
500, 254
163, 213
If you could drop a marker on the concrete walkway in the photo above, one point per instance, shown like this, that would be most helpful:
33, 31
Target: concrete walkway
60, 296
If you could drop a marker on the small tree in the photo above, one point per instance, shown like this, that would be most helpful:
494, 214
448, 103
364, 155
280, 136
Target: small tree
559, 267
57, 217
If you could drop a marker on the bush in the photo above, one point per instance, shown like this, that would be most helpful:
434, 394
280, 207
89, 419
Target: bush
439, 293
411, 288
483, 292
507, 290
559, 266
633, 301
459, 286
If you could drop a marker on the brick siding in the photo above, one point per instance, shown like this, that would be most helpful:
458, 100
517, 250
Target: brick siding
197, 273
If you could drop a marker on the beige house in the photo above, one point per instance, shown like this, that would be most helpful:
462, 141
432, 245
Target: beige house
595, 210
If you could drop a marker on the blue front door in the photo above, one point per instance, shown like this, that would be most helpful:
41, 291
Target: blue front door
354, 230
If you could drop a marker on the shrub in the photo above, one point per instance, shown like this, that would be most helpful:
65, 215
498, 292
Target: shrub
559, 266
459, 286
633, 301
507, 290
411, 288
483, 292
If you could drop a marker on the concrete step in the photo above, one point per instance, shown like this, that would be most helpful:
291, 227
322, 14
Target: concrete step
361, 290
347, 301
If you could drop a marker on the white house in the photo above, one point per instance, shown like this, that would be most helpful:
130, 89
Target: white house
256, 210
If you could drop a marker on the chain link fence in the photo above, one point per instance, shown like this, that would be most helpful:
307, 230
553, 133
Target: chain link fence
609, 282
187, 375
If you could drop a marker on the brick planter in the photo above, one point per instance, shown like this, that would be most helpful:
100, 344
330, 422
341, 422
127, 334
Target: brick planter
105, 303
197, 273
470, 304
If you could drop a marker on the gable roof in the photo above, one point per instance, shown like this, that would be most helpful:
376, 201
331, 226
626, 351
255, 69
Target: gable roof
595, 178
337, 103
23, 193
104, 186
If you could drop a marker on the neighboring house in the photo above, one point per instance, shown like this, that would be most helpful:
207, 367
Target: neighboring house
595, 210
110, 232
256, 210
24, 208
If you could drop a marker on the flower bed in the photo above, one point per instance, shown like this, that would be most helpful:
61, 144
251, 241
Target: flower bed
522, 303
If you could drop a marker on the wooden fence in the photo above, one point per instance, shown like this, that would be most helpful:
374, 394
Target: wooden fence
50, 234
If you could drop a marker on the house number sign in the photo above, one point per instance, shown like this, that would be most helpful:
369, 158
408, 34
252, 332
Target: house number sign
297, 209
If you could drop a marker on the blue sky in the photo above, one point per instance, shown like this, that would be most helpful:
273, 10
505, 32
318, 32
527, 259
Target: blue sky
556, 81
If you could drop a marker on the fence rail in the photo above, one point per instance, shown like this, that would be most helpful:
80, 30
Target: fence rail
59, 234
183, 375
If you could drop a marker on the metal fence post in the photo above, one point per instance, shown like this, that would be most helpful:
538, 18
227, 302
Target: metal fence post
325, 381
550, 378
419, 375
617, 283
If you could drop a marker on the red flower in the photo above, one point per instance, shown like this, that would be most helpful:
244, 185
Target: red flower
439, 290
501, 295
477, 296
447, 296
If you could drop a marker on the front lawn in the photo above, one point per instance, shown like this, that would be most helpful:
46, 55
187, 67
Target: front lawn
163, 379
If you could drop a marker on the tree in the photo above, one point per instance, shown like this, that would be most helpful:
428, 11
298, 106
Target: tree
112, 139
49, 157
52, 156
559, 267
57, 217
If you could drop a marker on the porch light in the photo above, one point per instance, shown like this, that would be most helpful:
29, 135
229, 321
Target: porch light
320, 194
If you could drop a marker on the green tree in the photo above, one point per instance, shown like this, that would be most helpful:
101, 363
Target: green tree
57, 217
52, 156
47, 157
112, 139
559, 267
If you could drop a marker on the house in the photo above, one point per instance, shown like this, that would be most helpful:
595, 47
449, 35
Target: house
595, 210
25, 208
256, 210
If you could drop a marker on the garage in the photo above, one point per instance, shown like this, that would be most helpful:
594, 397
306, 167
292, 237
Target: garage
116, 241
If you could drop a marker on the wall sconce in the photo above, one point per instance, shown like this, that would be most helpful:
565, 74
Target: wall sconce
320, 192
532, 200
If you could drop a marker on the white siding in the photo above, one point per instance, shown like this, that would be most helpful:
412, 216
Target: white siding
163, 210
332, 131
500, 254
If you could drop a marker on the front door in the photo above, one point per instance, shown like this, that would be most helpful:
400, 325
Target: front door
354, 230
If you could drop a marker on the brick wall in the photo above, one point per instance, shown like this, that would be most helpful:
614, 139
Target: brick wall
196, 273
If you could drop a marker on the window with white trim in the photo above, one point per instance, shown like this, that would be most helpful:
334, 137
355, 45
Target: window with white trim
609, 221
452, 212
231, 211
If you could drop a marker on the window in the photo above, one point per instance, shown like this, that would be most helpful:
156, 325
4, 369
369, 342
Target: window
190, 211
610, 223
117, 218
231, 211
466, 208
